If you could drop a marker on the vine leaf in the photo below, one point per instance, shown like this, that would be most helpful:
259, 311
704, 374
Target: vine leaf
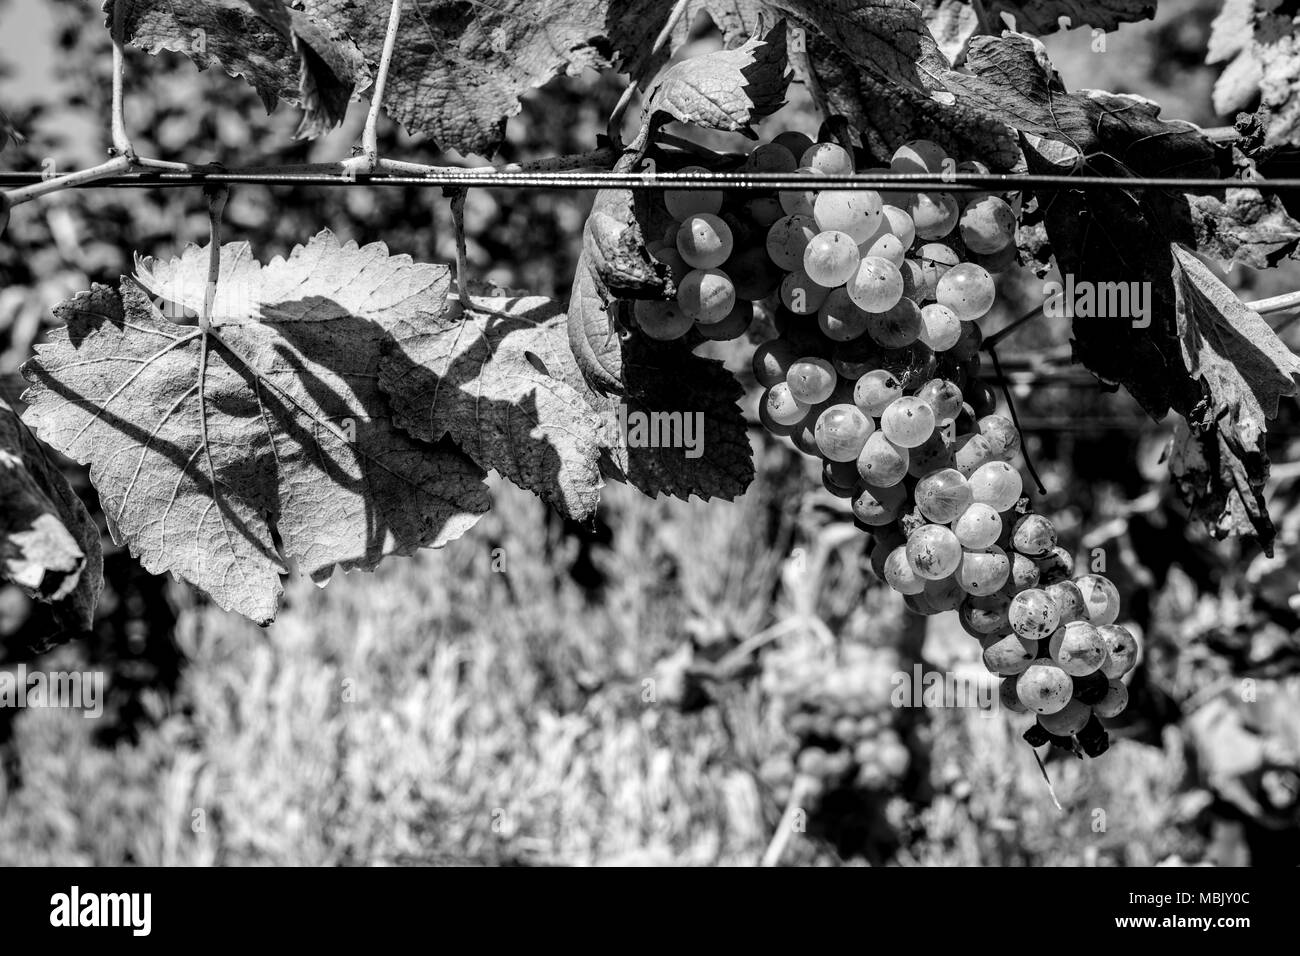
1245, 370
283, 52
49, 543
222, 456
470, 374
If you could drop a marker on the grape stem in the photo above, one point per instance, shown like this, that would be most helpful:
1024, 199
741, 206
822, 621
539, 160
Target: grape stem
121, 139
1015, 419
217, 196
368, 161
991, 342
1051, 791
462, 256
785, 828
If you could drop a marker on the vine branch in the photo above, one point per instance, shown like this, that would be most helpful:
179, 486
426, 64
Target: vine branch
217, 196
369, 158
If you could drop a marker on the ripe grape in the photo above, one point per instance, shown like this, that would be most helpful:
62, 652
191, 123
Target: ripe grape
1057, 566
967, 289
978, 527
670, 257
1024, 573
882, 463
936, 259
934, 454
919, 156
940, 327
1100, 599
900, 224
1044, 688
943, 496
706, 295
733, 326
682, 203
787, 239
856, 212
828, 159
771, 158
1122, 648
895, 327
704, 241
1078, 648
782, 407
838, 481
943, 397
1113, 704
797, 143
934, 214
663, 321
996, 484
801, 295
831, 258
988, 225
984, 572
933, 551
875, 506
968, 345
839, 318
970, 453
1069, 720
913, 282
979, 396
751, 273
841, 431
900, 575
877, 285
1034, 614
875, 391
944, 594
984, 615
1003, 438
772, 360
856, 358
1033, 536
888, 247
1009, 654
907, 422
1069, 600
811, 380
1007, 696
799, 202
764, 210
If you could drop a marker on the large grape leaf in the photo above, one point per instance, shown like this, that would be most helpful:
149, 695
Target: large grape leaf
282, 51
729, 89
222, 455
49, 543
471, 374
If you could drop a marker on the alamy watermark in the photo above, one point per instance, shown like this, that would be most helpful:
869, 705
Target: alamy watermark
943, 689
1098, 300
683, 430
74, 690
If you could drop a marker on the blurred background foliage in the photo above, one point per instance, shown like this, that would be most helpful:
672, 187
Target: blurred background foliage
489, 703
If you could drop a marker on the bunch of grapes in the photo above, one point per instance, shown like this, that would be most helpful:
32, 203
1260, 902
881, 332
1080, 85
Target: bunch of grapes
876, 373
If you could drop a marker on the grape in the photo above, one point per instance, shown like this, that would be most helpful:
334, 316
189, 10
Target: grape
828, 159
1113, 704
1033, 536
733, 326
887, 247
1069, 600
811, 380
900, 575
968, 345
933, 551
1007, 696
1100, 599
978, 527
1057, 566
940, 327
900, 224
772, 360
913, 282
1091, 688
943, 496
942, 396
841, 432
875, 391
798, 201
856, 212
751, 273
831, 258
765, 419
704, 241
797, 143
984, 615
801, 295
967, 289
764, 210
984, 572
682, 203
1067, 721
934, 214
907, 422
877, 285
970, 453
988, 225
945, 594
1034, 614
980, 397
855, 359
788, 238
706, 295
1024, 573
1008, 655
895, 327
1078, 647
911, 365
932, 455
876, 506
919, 156
771, 158
1122, 648
882, 463
669, 256
996, 484
837, 482
1003, 438
839, 318
1044, 688
885, 544
936, 259
660, 320
782, 407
